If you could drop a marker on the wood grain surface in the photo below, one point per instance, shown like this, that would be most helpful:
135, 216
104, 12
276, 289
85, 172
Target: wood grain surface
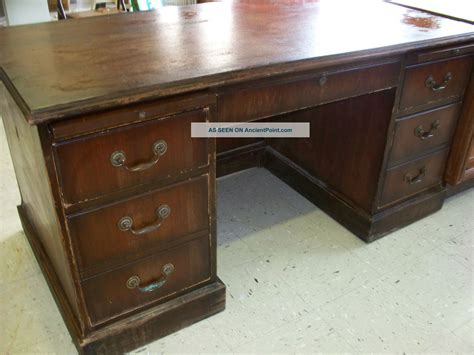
69, 67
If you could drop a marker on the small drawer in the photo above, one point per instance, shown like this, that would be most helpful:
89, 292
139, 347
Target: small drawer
105, 162
421, 132
147, 281
140, 226
428, 85
269, 99
415, 176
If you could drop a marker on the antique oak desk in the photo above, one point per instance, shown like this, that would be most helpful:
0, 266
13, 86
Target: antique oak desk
118, 201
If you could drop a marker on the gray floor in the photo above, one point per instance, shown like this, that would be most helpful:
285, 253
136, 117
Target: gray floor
296, 280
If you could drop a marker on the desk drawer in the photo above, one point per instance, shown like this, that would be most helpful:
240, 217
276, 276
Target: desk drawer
431, 84
148, 281
268, 99
137, 154
139, 226
413, 177
421, 132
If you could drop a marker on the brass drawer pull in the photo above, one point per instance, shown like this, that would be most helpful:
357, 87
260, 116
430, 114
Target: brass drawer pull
118, 157
430, 82
412, 180
125, 224
134, 281
422, 134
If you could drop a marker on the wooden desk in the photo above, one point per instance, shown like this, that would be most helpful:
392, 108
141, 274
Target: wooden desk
118, 202
459, 173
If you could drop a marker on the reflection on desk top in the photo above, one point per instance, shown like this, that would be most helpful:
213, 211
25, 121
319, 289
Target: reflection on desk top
457, 9
56, 69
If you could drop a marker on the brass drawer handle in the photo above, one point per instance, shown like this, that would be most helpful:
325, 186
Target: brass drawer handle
134, 281
118, 157
422, 134
412, 180
430, 82
125, 224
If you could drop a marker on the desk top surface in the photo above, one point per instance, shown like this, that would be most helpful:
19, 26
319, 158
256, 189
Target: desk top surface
456, 9
62, 68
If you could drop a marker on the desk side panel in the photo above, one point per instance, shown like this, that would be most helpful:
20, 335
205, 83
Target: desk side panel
461, 148
37, 205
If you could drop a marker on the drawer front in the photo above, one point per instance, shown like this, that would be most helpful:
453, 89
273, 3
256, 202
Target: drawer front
428, 85
128, 230
148, 281
418, 133
256, 102
413, 177
106, 162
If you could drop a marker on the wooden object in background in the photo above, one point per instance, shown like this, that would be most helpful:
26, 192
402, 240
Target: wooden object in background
53, 4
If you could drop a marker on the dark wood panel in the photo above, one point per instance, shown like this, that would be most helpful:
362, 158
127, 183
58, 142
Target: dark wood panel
226, 144
413, 177
37, 200
178, 50
259, 101
365, 226
85, 166
470, 157
101, 246
456, 166
418, 95
438, 54
138, 329
129, 114
416, 134
241, 158
346, 145
141, 329
110, 295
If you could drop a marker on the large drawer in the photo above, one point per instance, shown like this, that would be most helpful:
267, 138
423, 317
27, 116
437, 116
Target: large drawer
415, 176
421, 132
125, 231
147, 281
432, 84
273, 98
109, 161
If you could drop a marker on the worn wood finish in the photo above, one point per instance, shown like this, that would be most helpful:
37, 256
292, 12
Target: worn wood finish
85, 166
419, 133
346, 145
439, 53
260, 100
37, 195
366, 226
107, 120
460, 10
240, 158
178, 50
142, 328
102, 246
462, 153
413, 177
138, 329
417, 96
238, 61
107, 295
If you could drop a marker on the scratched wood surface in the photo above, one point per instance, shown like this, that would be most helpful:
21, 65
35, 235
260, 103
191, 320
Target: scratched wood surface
58, 69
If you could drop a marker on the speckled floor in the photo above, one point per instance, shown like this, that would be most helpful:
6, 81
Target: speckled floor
296, 280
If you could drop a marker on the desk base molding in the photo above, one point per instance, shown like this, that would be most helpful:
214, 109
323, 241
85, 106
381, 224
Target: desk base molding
240, 158
363, 225
134, 331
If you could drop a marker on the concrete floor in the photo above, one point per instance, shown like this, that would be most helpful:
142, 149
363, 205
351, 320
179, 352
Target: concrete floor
296, 280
